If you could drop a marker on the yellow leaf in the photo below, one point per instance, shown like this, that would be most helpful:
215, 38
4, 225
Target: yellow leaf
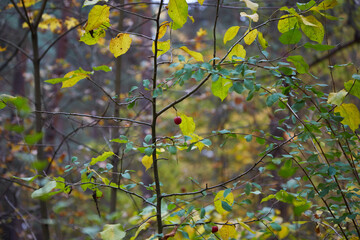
284, 232
162, 47
71, 22
163, 28
98, 16
351, 115
50, 22
198, 56
324, 5
147, 161
191, 18
264, 44
254, 17
187, 125
250, 36
287, 22
201, 2
201, 32
231, 33
3, 49
197, 138
237, 51
120, 44
244, 225
178, 12
251, 5
27, 3
227, 232
219, 198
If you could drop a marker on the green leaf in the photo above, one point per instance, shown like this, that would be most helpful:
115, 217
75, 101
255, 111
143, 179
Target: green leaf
267, 198
178, 12
275, 226
272, 99
351, 115
221, 87
337, 98
45, 191
290, 37
148, 138
101, 158
305, 6
318, 47
226, 206
33, 138
355, 90
27, 179
315, 33
172, 150
299, 62
102, 68
287, 170
112, 232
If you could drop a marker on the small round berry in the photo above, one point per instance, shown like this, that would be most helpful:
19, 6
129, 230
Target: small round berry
177, 120
214, 229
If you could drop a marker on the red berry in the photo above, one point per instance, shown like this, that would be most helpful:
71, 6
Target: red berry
214, 229
177, 120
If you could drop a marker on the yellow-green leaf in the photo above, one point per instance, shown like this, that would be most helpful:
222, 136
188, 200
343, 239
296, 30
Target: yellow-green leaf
187, 125
162, 47
101, 158
98, 16
91, 38
163, 28
247, 227
314, 33
264, 44
196, 138
113, 232
74, 77
147, 161
251, 5
227, 232
219, 198
254, 17
237, 51
337, 98
178, 12
351, 115
324, 5
120, 44
231, 33
250, 36
220, 87
198, 56
201, 2
306, 22
355, 88
287, 22
142, 227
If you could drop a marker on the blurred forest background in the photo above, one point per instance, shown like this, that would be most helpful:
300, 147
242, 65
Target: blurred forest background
77, 123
